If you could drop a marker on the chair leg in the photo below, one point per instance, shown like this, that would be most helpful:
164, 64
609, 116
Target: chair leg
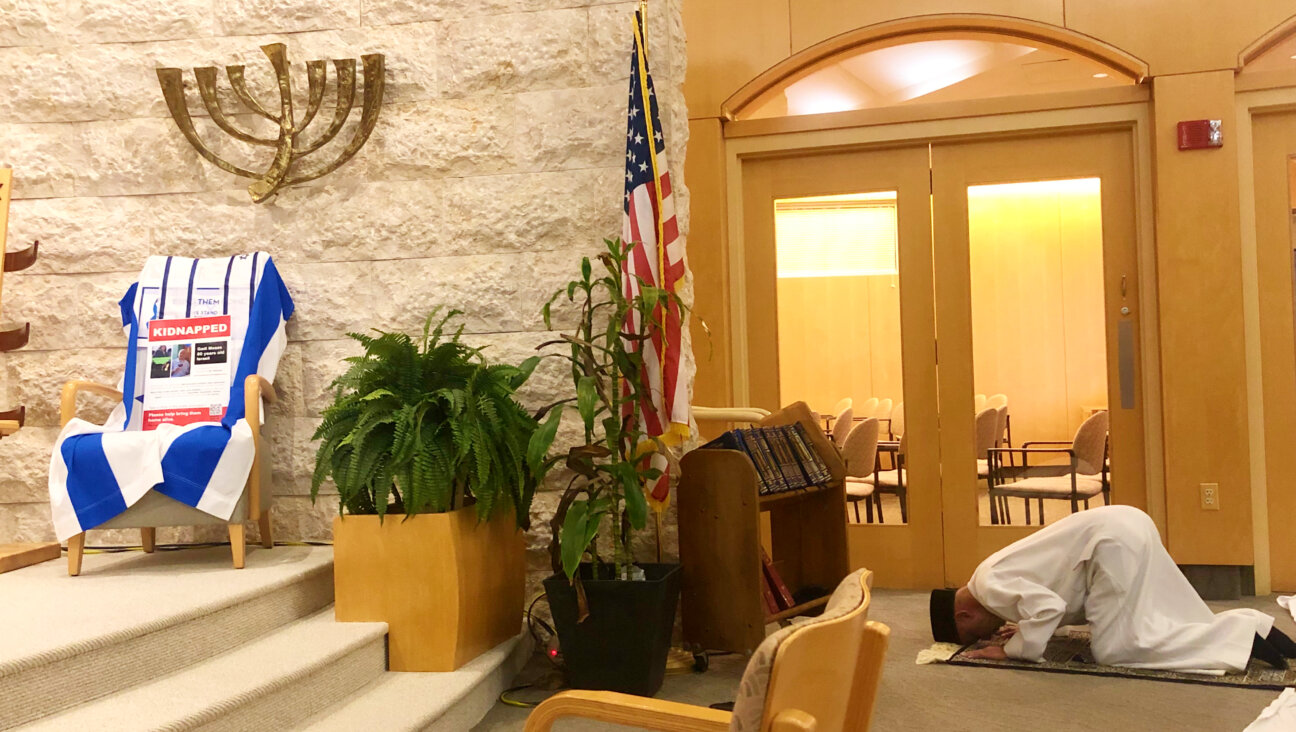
1086, 504
1026, 503
868, 509
903, 495
877, 499
1041, 510
1007, 510
148, 538
267, 534
76, 549
994, 510
238, 543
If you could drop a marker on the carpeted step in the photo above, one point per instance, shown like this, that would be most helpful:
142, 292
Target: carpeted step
272, 683
130, 618
438, 702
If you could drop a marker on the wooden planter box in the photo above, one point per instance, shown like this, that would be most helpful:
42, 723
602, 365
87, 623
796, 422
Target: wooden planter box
448, 588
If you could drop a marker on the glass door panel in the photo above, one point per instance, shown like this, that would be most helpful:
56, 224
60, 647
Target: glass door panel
1039, 349
1036, 307
838, 303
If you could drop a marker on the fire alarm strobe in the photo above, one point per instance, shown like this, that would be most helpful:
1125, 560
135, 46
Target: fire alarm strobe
1199, 134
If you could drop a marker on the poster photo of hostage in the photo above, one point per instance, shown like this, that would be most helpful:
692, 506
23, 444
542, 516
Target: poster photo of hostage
183, 360
161, 367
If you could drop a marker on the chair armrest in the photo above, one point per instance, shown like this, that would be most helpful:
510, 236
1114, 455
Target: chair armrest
793, 720
67, 400
1047, 442
254, 388
627, 709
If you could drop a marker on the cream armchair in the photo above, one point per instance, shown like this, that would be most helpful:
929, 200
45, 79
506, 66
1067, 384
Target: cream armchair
820, 675
155, 509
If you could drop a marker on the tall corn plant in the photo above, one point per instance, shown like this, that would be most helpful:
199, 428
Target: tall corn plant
611, 468
426, 426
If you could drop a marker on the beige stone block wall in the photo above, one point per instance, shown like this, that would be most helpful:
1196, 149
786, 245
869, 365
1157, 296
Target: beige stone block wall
496, 163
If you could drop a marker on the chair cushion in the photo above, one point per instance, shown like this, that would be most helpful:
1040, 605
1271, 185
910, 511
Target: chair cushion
749, 707
884, 479
858, 488
1052, 487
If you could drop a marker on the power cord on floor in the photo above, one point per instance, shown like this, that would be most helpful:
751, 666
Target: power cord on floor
507, 701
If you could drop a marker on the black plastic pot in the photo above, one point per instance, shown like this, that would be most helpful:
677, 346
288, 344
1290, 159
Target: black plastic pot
622, 645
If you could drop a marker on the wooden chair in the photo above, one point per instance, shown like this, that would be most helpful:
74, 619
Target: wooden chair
842, 426
860, 455
894, 480
155, 509
821, 675
1081, 478
897, 426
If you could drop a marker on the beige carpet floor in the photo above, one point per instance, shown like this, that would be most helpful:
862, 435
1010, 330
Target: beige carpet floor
940, 698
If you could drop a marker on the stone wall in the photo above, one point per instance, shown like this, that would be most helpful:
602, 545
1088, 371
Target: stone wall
497, 161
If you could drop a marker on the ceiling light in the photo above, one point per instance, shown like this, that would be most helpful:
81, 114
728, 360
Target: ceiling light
1100, 75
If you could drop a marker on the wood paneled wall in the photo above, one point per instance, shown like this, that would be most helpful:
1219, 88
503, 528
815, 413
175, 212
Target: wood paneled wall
1191, 51
1203, 373
839, 337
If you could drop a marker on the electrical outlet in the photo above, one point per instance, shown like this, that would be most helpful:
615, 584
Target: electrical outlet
1210, 496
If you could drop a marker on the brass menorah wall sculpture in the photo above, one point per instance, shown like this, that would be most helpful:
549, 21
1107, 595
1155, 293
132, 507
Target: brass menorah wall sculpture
289, 150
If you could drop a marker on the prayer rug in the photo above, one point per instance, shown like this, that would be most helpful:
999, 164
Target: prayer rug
1070, 654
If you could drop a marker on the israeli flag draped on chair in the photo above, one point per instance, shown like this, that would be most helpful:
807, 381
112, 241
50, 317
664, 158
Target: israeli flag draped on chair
98, 471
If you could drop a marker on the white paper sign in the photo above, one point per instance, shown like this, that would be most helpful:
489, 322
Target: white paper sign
188, 371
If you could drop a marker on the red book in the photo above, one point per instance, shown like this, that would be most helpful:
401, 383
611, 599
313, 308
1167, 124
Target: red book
775, 581
771, 605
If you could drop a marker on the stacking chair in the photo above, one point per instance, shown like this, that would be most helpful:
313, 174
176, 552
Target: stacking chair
987, 433
869, 408
978, 403
860, 455
883, 412
893, 481
1081, 478
1000, 401
819, 675
842, 426
897, 427
842, 405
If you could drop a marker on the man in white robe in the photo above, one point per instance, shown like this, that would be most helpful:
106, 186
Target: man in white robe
1105, 566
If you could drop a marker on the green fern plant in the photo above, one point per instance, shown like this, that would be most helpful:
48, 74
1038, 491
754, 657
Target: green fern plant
429, 425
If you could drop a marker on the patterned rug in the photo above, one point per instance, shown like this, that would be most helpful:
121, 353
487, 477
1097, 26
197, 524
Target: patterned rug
1070, 654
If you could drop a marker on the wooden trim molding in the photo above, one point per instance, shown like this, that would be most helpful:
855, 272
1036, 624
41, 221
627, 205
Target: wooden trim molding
1273, 37
895, 32
960, 109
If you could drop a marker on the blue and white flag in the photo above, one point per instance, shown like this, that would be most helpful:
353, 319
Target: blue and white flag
98, 471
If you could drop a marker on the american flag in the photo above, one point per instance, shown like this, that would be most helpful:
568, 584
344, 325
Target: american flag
656, 256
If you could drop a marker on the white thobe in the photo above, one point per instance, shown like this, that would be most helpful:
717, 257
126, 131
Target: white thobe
1106, 566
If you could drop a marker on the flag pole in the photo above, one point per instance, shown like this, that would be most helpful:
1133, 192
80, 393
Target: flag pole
643, 13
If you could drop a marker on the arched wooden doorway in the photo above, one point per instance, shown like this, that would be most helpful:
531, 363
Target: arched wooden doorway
928, 158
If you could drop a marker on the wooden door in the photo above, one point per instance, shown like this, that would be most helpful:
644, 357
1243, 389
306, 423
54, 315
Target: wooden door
900, 338
1274, 146
1105, 302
